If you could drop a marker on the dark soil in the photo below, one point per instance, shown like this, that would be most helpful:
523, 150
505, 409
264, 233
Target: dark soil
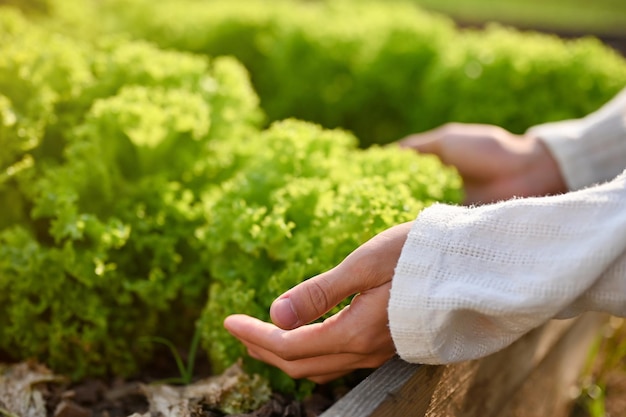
96, 398
117, 398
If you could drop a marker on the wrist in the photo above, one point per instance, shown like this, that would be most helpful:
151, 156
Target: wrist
544, 176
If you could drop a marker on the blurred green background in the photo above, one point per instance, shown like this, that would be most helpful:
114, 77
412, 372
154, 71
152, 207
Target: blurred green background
605, 19
593, 16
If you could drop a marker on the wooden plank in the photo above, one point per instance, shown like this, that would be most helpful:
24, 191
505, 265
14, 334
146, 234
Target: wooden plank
548, 390
396, 389
469, 389
480, 388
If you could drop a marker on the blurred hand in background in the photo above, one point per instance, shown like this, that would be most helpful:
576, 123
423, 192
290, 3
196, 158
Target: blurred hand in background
495, 164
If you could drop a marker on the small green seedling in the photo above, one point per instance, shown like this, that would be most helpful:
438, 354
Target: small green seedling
186, 370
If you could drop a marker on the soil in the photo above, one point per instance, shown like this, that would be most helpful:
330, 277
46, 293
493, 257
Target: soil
30, 389
122, 399
95, 398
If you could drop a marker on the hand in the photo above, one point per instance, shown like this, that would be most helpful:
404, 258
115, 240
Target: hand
494, 163
356, 337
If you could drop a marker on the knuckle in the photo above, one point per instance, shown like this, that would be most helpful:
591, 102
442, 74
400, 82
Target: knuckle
283, 352
294, 372
365, 268
286, 351
287, 355
318, 294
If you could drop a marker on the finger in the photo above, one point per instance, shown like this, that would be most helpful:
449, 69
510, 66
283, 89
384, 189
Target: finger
370, 266
338, 334
306, 341
322, 368
427, 142
309, 367
314, 297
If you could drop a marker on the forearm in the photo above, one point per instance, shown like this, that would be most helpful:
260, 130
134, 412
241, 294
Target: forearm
470, 281
588, 150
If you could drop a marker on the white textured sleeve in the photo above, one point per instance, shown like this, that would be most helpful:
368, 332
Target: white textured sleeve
588, 150
470, 281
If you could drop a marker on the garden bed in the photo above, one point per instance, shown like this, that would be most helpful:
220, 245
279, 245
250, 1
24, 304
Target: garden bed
538, 375
152, 185
30, 389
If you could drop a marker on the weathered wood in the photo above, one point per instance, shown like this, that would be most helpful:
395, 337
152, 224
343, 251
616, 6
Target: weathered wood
481, 388
488, 387
548, 390
396, 389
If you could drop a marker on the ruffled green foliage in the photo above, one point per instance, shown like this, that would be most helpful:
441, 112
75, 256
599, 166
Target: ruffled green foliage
302, 203
329, 62
334, 61
514, 79
135, 181
107, 149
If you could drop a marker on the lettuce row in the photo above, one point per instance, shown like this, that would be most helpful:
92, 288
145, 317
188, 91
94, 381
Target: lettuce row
109, 149
333, 61
142, 198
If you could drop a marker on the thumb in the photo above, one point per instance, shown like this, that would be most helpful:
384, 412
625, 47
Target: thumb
369, 266
311, 299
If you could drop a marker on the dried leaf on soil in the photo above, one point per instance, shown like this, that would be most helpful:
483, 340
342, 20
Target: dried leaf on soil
19, 393
232, 392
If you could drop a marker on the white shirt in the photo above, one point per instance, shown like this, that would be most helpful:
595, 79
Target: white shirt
472, 280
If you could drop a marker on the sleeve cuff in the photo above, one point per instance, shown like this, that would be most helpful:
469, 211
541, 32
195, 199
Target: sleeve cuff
589, 150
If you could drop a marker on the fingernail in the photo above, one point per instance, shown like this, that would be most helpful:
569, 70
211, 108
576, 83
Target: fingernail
283, 314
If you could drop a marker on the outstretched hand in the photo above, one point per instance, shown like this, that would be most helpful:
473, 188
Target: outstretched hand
494, 163
356, 337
